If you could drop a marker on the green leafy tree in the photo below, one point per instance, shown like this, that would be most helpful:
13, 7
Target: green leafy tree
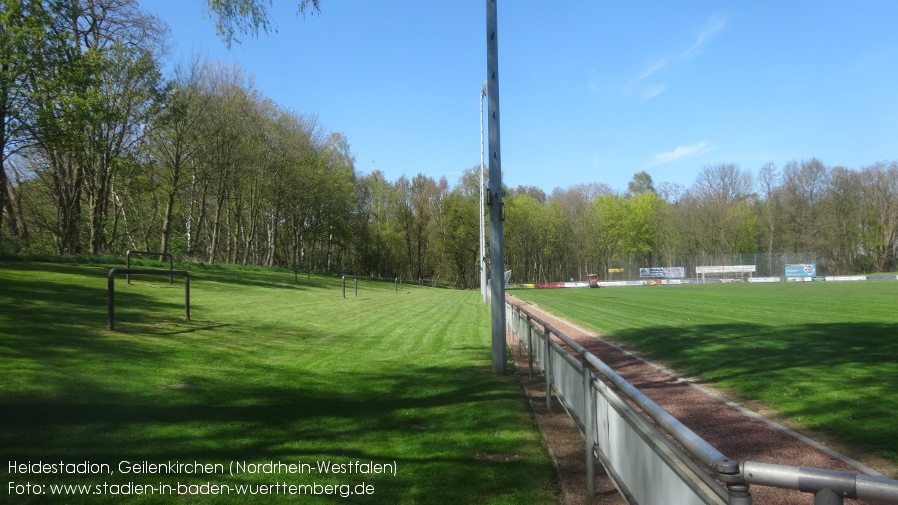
92, 90
24, 32
529, 229
641, 183
460, 229
176, 142
381, 247
640, 226
607, 240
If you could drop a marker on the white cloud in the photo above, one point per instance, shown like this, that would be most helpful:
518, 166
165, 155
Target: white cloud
681, 152
716, 24
651, 69
652, 91
645, 92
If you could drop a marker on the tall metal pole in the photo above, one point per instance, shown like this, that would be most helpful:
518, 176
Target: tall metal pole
497, 253
482, 226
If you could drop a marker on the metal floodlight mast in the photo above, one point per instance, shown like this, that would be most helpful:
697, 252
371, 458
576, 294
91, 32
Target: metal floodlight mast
482, 260
497, 254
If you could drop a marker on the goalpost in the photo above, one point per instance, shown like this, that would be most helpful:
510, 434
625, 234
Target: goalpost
725, 273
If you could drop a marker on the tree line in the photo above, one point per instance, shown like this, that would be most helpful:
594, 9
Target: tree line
103, 151
847, 219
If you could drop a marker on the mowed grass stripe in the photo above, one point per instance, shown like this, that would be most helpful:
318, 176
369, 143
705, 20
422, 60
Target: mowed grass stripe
266, 370
822, 353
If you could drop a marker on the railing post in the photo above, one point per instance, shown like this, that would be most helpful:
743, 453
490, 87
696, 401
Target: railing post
356, 279
509, 318
514, 324
187, 295
344, 286
589, 428
516, 318
110, 306
738, 494
530, 346
827, 497
730, 472
547, 366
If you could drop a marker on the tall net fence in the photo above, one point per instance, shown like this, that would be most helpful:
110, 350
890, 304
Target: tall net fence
765, 265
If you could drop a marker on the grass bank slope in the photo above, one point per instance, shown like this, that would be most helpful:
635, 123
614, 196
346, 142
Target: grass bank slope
267, 371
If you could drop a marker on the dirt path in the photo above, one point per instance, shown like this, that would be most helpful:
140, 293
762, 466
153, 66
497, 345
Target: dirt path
736, 433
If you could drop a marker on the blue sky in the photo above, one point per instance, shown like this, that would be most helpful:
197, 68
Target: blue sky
589, 91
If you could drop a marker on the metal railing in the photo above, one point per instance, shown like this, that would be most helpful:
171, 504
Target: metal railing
355, 281
648, 465
171, 262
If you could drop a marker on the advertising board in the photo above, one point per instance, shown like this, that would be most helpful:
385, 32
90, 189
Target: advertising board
801, 270
663, 272
725, 269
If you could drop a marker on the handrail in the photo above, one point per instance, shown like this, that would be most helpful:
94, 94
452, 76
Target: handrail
171, 261
827, 486
820, 481
707, 454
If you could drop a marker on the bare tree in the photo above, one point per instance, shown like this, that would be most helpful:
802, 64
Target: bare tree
842, 218
578, 227
722, 193
803, 188
881, 216
768, 179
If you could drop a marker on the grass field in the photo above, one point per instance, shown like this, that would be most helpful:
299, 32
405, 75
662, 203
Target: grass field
267, 370
823, 354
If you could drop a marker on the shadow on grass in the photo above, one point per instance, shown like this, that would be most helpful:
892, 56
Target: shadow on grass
72, 391
198, 273
252, 279
840, 378
43, 304
436, 423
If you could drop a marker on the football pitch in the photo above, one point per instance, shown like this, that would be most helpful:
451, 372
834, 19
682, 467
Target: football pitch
276, 391
823, 354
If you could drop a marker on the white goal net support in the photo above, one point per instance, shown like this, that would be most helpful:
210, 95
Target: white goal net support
725, 273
